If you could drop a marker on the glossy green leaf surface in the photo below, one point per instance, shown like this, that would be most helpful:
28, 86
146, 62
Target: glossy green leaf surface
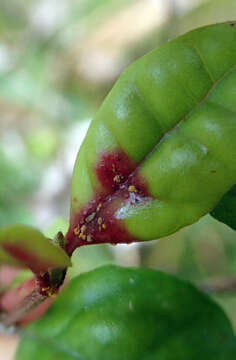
134, 314
225, 211
161, 150
27, 247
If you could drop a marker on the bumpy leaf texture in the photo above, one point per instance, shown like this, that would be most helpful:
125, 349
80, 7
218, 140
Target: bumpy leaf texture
114, 313
161, 151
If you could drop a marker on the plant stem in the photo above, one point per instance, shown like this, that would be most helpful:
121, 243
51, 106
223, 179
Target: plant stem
47, 285
28, 303
220, 285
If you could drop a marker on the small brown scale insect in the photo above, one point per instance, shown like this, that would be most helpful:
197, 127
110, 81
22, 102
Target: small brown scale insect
81, 231
97, 222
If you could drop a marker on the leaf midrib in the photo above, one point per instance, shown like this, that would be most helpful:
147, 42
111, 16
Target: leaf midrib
184, 117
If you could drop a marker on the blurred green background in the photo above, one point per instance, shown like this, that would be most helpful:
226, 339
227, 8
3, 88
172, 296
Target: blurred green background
58, 60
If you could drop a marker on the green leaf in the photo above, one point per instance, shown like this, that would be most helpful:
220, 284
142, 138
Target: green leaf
8, 259
134, 314
225, 210
23, 245
160, 152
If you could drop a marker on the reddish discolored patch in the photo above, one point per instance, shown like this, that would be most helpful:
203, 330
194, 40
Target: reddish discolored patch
30, 260
98, 222
113, 170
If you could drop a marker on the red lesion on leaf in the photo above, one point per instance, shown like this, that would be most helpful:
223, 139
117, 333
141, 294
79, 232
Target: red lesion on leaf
32, 261
97, 222
113, 169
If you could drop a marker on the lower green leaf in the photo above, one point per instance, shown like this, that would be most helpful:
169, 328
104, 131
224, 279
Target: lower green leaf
114, 313
225, 211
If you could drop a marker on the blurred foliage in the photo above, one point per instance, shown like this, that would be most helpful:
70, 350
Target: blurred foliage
88, 258
201, 251
208, 12
16, 183
58, 59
